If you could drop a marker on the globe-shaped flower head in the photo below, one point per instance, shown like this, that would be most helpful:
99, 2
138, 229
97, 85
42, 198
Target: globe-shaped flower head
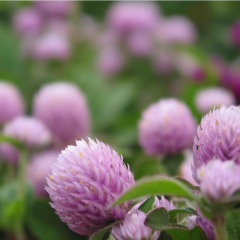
218, 137
38, 169
30, 131
85, 179
215, 188
166, 127
63, 108
11, 103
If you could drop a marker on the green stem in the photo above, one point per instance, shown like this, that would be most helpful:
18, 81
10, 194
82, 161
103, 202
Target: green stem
22, 173
219, 225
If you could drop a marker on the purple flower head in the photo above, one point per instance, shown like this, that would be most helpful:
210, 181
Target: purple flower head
166, 127
38, 169
139, 44
133, 228
54, 8
215, 188
63, 108
28, 130
206, 225
27, 21
11, 102
175, 30
84, 181
126, 17
235, 34
185, 168
209, 98
110, 61
218, 137
51, 45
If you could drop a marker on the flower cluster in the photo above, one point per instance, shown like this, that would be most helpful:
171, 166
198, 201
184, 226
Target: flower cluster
45, 30
139, 29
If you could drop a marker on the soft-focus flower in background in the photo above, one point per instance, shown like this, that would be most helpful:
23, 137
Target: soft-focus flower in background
63, 108
85, 179
210, 98
27, 21
166, 127
54, 8
217, 137
176, 30
38, 169
215, 188
185, 168
50, 45
11, 102
30, 131
110, 61
127, 17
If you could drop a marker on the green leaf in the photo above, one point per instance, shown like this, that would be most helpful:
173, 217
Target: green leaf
187, 184
148, 205
104, 233
174, 213
233, 224
16, 143
159, 219
156, 186
188, 234
164, 236
171, 162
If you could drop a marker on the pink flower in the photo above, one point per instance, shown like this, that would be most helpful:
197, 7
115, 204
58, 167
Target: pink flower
63, 108
85, 179
167, 126
38, 169
29, 131
27, 21
11, 102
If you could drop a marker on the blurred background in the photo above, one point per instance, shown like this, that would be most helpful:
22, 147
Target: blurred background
90, 69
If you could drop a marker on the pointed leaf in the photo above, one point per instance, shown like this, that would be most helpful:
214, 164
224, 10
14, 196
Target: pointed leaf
173, 213
148, 205
157, 186
104, 233
187, 184
158, 219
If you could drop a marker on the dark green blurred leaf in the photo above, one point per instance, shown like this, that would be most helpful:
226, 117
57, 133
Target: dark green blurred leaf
233, 224
171, 162
45, 224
